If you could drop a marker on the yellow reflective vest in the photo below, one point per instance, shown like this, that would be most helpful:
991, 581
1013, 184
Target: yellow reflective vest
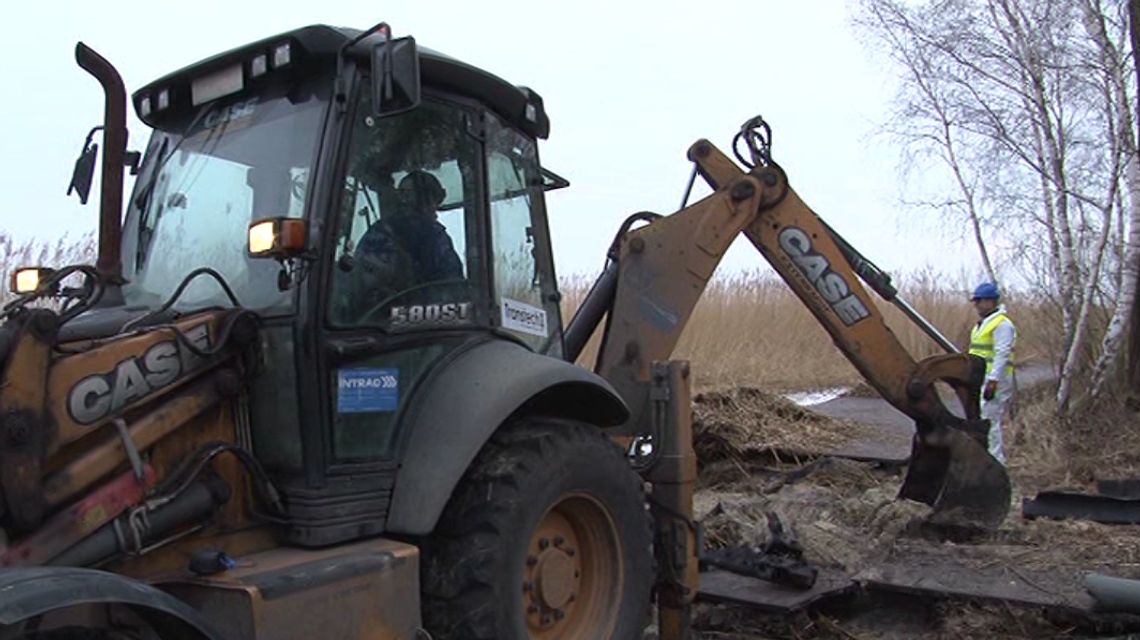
982, 341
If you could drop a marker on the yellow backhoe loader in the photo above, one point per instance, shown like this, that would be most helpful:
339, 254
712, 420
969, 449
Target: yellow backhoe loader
317, 385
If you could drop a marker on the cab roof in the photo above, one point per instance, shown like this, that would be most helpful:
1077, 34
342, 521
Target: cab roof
316, 47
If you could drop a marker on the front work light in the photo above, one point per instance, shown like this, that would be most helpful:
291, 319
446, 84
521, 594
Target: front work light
279, 238
282, 55
258, 66
29, 279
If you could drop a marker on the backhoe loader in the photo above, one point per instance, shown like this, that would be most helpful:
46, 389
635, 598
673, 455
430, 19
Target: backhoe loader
316, 384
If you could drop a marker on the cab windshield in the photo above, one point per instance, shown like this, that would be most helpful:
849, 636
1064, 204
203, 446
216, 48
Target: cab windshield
203, 181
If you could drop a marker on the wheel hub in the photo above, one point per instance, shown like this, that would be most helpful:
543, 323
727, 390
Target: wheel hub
573, 572
556, 582
552, 581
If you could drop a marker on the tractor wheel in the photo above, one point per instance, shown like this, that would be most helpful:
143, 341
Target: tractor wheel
65, 633
21, 631
546, 537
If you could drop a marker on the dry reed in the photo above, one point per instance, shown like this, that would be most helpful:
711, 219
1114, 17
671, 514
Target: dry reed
749, 329
63, 251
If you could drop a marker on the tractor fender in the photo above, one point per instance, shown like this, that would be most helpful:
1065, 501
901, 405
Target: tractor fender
466, 401
32, 591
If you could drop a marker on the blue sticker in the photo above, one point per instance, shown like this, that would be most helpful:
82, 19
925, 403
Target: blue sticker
367, 390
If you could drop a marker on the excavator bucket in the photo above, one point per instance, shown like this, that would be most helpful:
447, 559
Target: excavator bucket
951, 470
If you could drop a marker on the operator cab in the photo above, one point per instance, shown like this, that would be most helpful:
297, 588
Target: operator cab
379, 205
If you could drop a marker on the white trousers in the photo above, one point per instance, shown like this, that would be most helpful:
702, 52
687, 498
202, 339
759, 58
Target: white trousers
995, 410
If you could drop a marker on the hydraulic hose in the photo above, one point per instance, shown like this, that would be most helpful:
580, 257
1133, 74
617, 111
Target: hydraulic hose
598, 302
195, 504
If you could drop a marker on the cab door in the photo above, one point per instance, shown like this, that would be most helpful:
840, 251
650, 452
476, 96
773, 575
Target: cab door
524, 286
405, 285
407, 277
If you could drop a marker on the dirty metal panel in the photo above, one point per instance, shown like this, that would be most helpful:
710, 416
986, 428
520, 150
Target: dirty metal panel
724, 587
947, 578
1082, 506
362, 591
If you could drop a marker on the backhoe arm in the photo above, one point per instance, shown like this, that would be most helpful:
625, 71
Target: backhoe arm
812, 261
663, 267
660, 270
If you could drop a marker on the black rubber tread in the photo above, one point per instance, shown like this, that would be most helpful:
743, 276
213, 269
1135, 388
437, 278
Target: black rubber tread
73, 633
480, 541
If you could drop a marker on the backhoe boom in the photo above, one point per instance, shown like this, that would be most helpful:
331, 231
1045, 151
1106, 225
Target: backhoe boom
662, 269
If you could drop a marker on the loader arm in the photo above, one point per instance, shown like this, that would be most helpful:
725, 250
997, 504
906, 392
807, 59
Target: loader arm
660, 270
91, 425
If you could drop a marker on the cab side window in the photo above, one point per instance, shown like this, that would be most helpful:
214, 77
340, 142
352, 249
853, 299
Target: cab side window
522, 284
405, 218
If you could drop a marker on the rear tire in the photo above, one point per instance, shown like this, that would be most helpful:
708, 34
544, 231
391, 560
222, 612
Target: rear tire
66, 633
546, 536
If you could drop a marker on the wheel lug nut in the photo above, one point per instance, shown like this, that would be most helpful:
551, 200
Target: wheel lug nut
531, 561
570, 551
546, 618
543, 544
532, 609
528, 586
558, 540
558, 615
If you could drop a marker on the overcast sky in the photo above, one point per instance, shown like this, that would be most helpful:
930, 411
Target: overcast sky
628, 85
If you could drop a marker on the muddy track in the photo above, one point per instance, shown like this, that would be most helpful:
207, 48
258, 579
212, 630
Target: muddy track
1023, 581
887, 433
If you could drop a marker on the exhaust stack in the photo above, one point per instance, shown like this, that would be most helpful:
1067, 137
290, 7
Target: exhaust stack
108, 262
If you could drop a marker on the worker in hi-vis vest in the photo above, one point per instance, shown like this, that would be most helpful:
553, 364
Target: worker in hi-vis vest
992, 338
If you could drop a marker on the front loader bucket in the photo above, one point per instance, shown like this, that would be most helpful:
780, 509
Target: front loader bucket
951, 471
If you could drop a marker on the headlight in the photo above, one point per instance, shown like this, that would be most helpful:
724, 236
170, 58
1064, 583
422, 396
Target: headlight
29, 279
277, 238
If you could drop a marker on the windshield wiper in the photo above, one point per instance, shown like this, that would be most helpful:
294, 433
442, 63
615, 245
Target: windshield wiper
145, 197
163, 156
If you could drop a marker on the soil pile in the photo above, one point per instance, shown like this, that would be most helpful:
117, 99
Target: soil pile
746, 422
841, 511
845, 515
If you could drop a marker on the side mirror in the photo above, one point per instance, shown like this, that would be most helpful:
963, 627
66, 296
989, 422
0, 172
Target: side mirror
395, 76
84, 171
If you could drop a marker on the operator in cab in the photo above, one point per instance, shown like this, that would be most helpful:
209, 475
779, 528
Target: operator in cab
409, 246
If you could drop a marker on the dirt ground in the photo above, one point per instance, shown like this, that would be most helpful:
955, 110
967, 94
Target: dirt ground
846, 516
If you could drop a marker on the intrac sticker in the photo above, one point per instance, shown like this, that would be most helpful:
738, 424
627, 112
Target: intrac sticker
367, 390
520, 316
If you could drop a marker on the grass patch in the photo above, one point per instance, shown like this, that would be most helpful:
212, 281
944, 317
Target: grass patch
1101, 442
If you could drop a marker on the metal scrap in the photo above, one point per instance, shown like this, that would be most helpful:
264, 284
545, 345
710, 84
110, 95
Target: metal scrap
780, 560
1072, 505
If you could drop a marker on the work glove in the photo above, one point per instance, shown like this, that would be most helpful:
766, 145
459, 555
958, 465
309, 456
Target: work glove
990, 390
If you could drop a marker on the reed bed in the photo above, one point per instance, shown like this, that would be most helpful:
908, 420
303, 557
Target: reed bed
749, 329
19, 253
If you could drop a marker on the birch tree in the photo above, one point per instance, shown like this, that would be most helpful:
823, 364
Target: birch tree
1026, 104
1117, 72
